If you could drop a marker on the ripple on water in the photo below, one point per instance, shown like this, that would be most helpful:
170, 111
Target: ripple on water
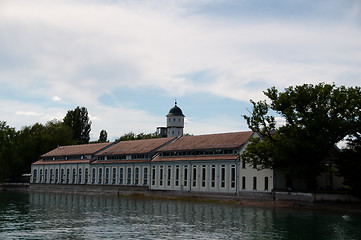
59, 216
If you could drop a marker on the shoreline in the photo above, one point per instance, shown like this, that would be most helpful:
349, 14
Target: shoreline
353, 205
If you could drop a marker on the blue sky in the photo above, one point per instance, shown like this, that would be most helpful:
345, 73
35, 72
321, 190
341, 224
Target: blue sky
127, 61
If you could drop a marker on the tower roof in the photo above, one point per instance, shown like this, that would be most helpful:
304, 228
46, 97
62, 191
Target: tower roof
175, 111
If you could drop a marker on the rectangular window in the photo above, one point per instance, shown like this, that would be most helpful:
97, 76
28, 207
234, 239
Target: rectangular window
169, 171
145, 176
254, 183
161, 176
153, 175
233, 176
213, 176
194, 176
136, 176
121, 175
129, 176
243, 164
203, 176
185, 179
266, 183
177, 176
243, 182
223, 176
114, 176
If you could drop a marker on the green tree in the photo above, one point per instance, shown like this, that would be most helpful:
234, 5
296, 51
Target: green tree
316, 118
33, 141
9, 160
79, 122
349, 164
132, 136
103, 136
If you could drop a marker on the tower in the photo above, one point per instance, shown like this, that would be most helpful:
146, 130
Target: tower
175, 122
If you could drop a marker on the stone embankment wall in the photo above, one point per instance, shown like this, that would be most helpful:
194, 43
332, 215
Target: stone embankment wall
144, 191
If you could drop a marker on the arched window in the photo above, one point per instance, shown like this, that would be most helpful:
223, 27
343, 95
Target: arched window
233, 176
56, 175
129, 176
145, 176
100, 173
177, 176
223, 176
62, 176
35, 175
46, 176
79, 176
136, 176
74, 176
114, 176
86, 176
93, 176
121, 175
153, 175
106, 175
194, 176
51, 175
67, 175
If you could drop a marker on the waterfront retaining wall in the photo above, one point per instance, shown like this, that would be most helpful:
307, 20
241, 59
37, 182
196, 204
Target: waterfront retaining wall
144, 191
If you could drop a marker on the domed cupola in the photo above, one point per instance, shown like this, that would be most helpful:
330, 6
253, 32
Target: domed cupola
175, 111
175, 122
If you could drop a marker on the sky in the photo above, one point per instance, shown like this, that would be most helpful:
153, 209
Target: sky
127, 61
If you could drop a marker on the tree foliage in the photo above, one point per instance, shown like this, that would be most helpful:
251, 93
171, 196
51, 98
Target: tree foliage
103, 136
19, 149
316, 118
132, 136
79, 122
350, 164
8, 157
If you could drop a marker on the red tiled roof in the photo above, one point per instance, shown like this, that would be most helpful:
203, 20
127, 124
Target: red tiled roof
42, 162
119, 161
76, 149
136, 146
210, 141
196, 158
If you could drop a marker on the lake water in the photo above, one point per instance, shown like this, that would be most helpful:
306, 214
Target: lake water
73, 216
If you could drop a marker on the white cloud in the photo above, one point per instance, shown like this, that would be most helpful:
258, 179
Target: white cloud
82, 50
28, 113
56, 98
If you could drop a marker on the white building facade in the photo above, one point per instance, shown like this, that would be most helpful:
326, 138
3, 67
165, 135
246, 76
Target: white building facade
204, 163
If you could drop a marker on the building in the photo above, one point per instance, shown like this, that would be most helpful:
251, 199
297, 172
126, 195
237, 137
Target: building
204, 163
66, 164
175, 123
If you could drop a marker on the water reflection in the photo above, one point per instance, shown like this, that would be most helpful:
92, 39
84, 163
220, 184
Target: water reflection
72, 216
